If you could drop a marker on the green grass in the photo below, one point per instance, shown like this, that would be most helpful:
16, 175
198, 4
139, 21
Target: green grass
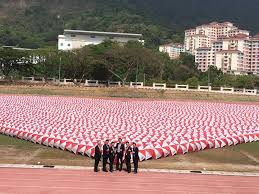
124, 93
17, 143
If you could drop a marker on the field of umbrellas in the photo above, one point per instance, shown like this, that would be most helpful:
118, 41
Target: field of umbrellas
160, 128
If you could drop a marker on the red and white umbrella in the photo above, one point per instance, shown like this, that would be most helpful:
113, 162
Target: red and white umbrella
160, 128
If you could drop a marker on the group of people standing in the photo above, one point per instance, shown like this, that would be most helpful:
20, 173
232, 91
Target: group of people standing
118, 151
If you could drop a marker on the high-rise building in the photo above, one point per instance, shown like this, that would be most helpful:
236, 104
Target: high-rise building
225, 46
253, 55
204, 35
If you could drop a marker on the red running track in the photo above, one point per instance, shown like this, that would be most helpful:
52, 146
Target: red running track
48, 181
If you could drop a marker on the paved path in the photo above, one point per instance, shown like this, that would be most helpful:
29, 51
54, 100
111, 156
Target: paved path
48, 181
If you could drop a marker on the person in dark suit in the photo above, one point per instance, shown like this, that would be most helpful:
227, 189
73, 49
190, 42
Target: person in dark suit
120, 148
105, 154
128, 152
112, 153
135, 155
97, 155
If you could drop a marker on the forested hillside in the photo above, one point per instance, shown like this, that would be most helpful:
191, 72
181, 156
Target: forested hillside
36, 23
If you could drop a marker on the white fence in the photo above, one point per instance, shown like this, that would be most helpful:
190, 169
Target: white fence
204, 88
159, 86
250, 92
137, 84
156, 86
226, 90
38, 79
91, 83
114, 84
29, 79
181, 87
66, 82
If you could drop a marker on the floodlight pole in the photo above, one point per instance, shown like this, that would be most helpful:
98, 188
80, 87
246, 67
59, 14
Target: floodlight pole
136, 75
208, 76
59, 69
144, 79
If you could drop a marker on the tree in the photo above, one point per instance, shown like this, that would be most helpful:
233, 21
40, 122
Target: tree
47, 62
193, 81
78, 64
125, 62
14, 60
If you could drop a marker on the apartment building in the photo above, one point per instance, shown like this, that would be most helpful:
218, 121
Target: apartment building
230, 61
205, 35
75, 39
173, 50
225, 46
254, 55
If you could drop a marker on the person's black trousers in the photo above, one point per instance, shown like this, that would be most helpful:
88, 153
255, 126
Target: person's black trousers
105, 159
111, 163
128, 165
96, 163
119, 162
135, 161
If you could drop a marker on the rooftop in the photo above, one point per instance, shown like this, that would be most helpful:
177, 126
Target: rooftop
238, 36
102, 33
178, 45
16, 48
229, 51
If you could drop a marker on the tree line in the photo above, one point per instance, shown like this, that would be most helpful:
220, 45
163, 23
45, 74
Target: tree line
112, 61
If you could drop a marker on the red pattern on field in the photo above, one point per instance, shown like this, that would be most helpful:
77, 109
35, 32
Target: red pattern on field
160, 128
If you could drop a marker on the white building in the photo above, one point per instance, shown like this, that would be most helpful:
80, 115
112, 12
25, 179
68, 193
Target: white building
230, 61
173, 50
75, 39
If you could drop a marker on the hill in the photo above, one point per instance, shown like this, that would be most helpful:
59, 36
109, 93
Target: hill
36, 23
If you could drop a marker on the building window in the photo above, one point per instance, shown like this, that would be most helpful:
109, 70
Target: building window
61, 44
92, 36
73, 35
68, 45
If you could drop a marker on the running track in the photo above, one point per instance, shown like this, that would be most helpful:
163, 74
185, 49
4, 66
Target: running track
48, 181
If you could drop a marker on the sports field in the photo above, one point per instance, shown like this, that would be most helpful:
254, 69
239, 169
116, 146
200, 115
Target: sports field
233, 158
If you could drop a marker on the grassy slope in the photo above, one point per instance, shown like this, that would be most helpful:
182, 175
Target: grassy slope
125, 93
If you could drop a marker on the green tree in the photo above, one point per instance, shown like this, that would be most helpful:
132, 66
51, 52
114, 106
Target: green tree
47, 62
14, 60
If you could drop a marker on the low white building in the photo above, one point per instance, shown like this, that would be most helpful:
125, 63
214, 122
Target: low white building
173, 50
75, 39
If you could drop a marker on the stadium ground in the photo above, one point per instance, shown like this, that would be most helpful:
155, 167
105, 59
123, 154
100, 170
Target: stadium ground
244, 158
239, 158
48, 181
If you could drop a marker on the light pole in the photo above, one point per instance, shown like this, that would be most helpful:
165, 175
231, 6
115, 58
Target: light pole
59, 69
136, 74
208, 77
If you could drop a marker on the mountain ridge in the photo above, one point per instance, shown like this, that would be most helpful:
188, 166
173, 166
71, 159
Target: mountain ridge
36, 23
